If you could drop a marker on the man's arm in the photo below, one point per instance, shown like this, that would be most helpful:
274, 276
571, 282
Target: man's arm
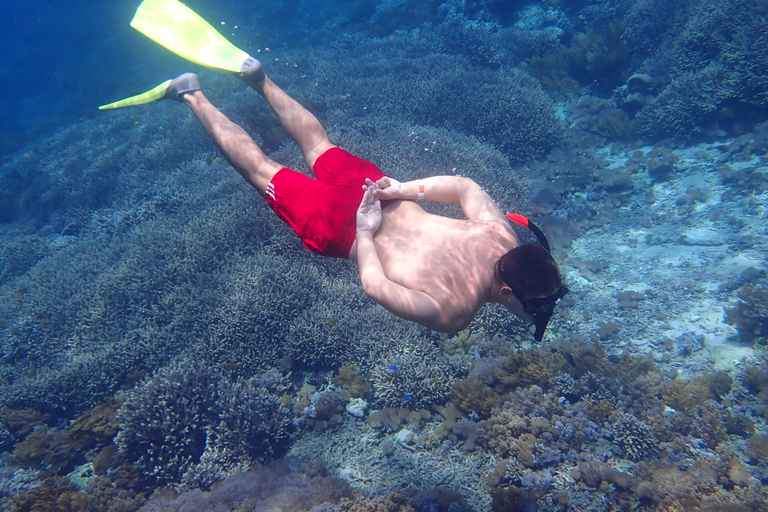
406, 303
473, 200
401, 301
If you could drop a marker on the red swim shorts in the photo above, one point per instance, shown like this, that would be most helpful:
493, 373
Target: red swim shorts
322, 211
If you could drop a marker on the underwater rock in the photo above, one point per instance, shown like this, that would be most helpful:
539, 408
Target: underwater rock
661, 163
636, 92
356, 407
639, 82
689, 343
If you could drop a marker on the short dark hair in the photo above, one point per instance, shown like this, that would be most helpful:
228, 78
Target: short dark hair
529, 270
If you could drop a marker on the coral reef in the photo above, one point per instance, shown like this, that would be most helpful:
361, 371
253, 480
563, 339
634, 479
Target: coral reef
750, 314
60, 494
536, 430
490, 44
287, 484
433, 89
47, 447
188, 426
712, 40
415, 375
351, 380
507, 98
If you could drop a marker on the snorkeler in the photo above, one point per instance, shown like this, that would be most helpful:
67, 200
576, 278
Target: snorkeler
426, 268
430, 269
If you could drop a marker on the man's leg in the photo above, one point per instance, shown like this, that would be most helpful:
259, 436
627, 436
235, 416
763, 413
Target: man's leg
234, 143
300, 124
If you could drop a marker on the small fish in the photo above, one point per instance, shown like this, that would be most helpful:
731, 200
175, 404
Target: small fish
231, 366
393, 368
408, 397
332, 320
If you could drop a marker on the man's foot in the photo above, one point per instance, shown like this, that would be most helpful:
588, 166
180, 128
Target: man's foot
181, 85
253, 73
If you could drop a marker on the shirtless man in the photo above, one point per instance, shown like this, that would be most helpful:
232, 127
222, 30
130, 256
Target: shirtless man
426, 268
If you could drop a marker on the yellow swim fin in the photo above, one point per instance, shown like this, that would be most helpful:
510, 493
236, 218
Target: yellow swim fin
184, 32
153, 94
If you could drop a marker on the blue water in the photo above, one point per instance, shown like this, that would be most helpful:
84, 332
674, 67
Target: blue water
61, 60
161, 328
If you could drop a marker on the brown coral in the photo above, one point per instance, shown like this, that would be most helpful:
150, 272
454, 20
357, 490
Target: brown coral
48, 450
474, 396
53, 495
351, 380
96, 427
757, 449
524, 369
684, 395
21, 422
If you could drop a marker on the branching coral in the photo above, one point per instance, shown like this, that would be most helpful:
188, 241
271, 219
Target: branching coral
633, 436
190, 426
507, 99
415, 375
331, 330
288, 484
488, 44
506, 107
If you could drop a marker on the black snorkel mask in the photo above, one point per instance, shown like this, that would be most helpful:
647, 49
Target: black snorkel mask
540, 309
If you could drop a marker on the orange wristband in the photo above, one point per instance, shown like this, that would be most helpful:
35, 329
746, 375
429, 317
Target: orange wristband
421, 189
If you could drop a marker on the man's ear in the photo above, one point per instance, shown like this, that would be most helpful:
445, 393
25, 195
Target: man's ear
505, 291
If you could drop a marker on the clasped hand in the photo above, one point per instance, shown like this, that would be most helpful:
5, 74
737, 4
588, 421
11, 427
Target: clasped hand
369, 211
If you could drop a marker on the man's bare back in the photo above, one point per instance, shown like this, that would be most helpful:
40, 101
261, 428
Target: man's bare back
451, 260
430, 269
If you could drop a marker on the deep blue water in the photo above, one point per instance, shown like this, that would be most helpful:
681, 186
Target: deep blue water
61, 60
